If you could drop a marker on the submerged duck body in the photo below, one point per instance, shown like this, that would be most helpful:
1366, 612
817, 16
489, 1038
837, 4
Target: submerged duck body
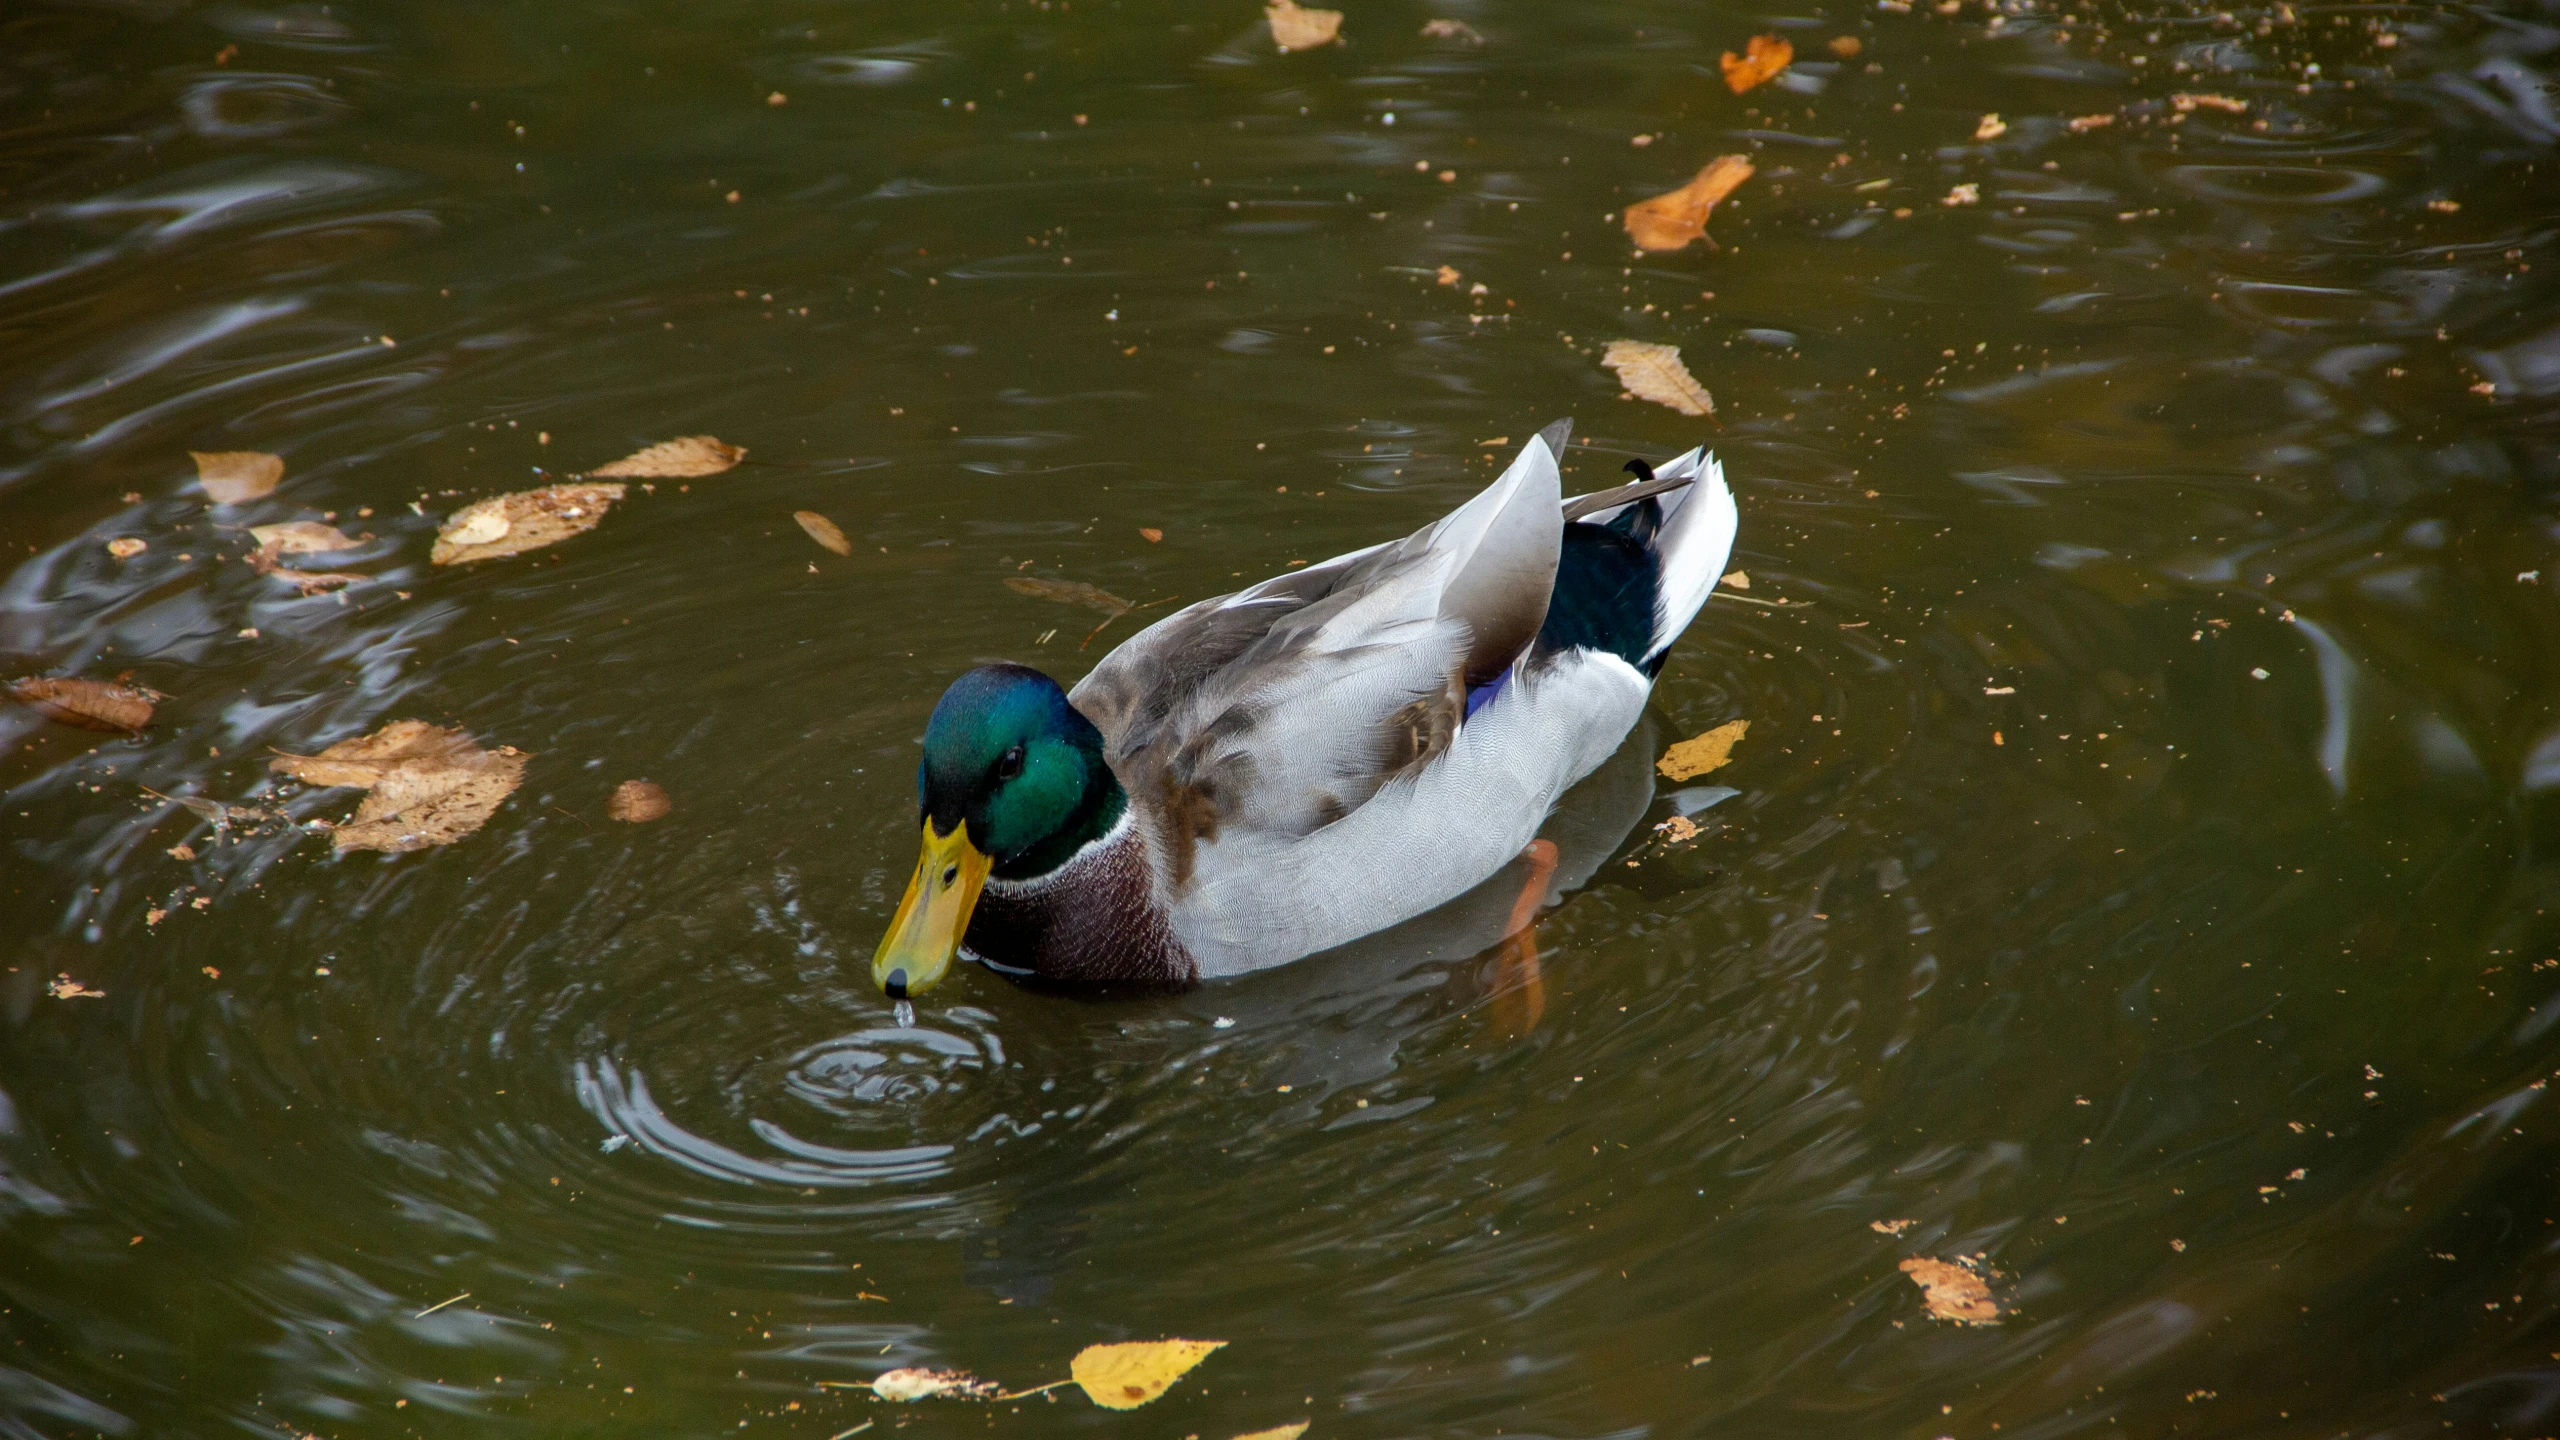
1272, 773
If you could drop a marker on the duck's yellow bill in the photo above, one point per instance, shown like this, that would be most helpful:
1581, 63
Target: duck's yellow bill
926, 933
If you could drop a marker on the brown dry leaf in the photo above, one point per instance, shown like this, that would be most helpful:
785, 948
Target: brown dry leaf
823, 530
433, 802
1699, 754
1952, 1291
63, 987
526, 520
235, 477
1451, 30
638, 802
1890, 1227
1671, 220
1846, 46
1761, 60
1294, 27
1738, 580
681, 459
126, 547
89, 704
1126, 1376
367, 758
1290, 1431
1070, 592
917, 1383
2224, 103
302, 537
1654, 372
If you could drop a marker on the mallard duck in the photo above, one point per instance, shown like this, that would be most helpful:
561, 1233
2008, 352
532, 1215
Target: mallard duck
1271, 773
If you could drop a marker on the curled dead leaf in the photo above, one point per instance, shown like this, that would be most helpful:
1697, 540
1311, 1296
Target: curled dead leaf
638, 802
526, 520
914, 1383
89, 704
302, 537
1451, 30
1295, 27
679, 459
125, 547
1763, 57
235, 477
1654, 372
1671, 220
427, 784
1070, 592
63, 987
823, 530
1126, 1376
1699, 754
1952, 1290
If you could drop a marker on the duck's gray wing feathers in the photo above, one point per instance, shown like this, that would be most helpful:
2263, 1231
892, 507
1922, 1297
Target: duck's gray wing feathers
1283, 707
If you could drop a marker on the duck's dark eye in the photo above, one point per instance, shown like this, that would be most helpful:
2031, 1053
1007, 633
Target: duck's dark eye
1009, 764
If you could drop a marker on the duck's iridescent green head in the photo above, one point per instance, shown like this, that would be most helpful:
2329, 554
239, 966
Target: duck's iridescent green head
1013, 784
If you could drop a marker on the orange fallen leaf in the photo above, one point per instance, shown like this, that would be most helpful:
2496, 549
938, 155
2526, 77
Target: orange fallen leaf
1654, 372
1951, 1290
682, 459
235, 477
1150, 534
638, 802
89, 704
1671, 220
1762, 59
824, 531
1449, 275
1295, 27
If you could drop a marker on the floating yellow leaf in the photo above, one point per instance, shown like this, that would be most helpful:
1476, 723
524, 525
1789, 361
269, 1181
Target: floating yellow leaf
823, 530
1277, 1432
1654, 372
1126, 1376
639, 802
235, 477
89, 704
1671, 220
1761, 60
526, 520
1951, 1290
1294, 27
428, 785
681, 459
1699, 754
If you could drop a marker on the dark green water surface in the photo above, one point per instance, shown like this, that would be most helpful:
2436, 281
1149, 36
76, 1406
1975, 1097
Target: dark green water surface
2148, 825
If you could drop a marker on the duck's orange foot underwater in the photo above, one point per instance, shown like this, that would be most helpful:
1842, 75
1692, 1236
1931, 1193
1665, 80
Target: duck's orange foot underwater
1519, 991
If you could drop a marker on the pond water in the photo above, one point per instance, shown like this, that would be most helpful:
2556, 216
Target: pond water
2147, 832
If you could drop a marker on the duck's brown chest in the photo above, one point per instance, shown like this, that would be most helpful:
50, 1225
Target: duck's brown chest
1092, 921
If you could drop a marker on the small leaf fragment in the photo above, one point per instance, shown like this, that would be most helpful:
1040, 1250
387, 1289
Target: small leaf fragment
1151, 534
1070, 592
638, 802
1969, 193
1701, 753
2187, 102
1763, 57
2083, 124
301, 537
1890, 1227
1846, 46
1451, 30
235, 477
680, 459
912, 1383
1295, 27
1290, 1431
63, 987
1126, 1376
1990, 127
125, 547
1654, 372
1671, 220
526, 520
1952, 1290
313, 582
1739, 580
824, 531
89, 704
